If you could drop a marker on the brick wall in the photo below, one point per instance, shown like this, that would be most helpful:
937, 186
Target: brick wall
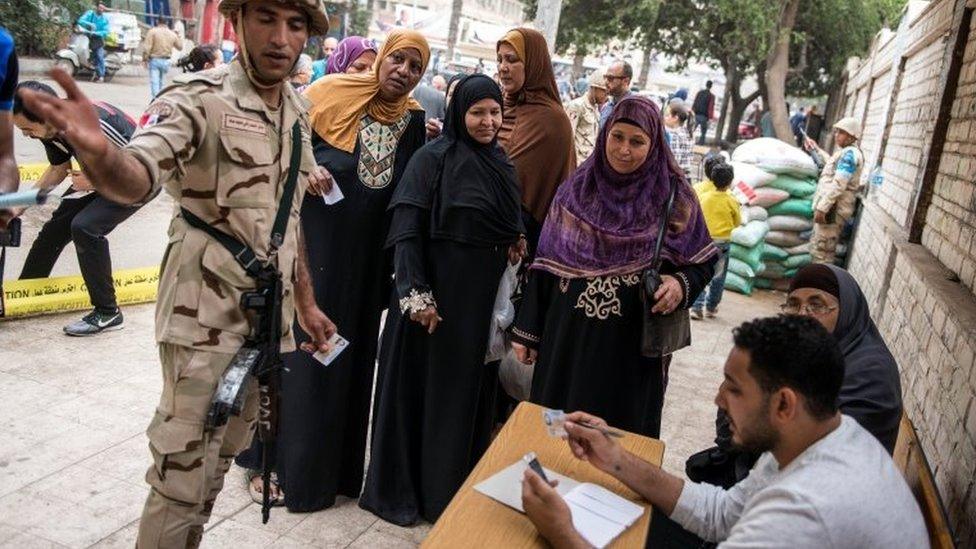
921, 294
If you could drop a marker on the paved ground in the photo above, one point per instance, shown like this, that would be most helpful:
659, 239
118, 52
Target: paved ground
73, 411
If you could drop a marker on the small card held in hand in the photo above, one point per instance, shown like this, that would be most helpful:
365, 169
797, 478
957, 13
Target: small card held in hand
555, 422
339, 344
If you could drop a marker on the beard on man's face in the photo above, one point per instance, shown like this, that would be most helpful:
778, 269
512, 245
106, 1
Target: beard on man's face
755, 434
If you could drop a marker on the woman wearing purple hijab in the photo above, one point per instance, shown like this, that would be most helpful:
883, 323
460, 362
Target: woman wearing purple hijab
353, 55
580, 320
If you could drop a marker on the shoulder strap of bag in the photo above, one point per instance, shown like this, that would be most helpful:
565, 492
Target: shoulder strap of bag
664, 225
243, 253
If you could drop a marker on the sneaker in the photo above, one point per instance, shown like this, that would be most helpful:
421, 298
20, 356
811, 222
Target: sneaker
696, 314
711, 313
94, 323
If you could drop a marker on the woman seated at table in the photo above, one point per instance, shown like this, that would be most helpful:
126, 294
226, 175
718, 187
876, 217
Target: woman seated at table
582, 311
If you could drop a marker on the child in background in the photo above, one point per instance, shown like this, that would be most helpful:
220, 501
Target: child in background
711, 160
721, 211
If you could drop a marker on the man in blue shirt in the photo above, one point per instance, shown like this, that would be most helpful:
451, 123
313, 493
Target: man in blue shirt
9, 177
618, 78
95, 24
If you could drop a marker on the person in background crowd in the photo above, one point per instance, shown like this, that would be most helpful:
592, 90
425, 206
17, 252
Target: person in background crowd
536, 133
584, 115
675, 121
456, 226
201, 58
766, 124
797, 123
836, 197
704, 110
821, 477
327, 49
871, 392
582, 310
431, 98
95, 25
354, 55
84, 216
301, 74
157, 49
366, 130
721, 212
814, 123
618, 77
9, 72
711, 160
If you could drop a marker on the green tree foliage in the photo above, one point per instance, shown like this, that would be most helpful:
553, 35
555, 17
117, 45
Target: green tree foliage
827, 33
585, 25
39, 26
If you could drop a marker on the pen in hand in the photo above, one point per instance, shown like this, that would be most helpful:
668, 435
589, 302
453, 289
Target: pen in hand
606, 432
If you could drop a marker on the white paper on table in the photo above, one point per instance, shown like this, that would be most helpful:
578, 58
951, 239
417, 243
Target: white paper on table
599, 515
334, 195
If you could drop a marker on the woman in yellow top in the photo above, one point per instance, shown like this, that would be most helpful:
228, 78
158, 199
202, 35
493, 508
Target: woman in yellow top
721, 211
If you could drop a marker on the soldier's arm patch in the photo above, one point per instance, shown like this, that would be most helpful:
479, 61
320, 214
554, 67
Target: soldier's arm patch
156, 113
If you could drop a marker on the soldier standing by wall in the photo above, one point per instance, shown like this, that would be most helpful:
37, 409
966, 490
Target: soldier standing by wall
836, 196
219, 142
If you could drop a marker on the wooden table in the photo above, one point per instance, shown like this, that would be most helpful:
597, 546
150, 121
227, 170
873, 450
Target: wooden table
475, 520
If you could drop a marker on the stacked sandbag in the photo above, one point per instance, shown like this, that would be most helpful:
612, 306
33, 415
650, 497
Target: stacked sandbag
745, 256
787, 202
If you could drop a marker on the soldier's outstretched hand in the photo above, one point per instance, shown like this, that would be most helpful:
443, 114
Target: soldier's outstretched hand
74, 117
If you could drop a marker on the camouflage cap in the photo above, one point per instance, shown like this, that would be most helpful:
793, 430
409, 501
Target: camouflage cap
318, 18
850, 125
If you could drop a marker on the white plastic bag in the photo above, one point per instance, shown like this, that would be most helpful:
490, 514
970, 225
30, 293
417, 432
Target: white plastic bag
503, 314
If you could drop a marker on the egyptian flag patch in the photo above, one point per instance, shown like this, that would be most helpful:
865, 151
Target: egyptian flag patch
156, 113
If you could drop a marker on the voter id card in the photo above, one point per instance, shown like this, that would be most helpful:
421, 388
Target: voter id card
555, 421
338, 343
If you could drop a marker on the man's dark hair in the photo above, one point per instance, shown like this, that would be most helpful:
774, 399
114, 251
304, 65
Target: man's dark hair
722, 175
796, 352
712, 159
708, 84
33, 85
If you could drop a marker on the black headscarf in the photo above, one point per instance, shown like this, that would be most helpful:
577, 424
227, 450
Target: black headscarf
871, 392
470, 189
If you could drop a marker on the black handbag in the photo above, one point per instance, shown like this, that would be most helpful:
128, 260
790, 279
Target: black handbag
662, 335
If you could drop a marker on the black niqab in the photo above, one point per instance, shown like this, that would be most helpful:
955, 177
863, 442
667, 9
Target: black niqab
470, 188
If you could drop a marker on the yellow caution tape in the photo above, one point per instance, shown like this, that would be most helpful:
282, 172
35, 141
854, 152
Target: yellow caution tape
69, 293
33, 172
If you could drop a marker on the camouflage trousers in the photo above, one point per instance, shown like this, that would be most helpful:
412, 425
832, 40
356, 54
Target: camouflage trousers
823, 243
189, 463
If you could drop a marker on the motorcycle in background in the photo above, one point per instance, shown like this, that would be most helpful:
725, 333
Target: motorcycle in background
78, 59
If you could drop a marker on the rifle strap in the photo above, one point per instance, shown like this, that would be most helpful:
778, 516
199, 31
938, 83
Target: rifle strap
243, 253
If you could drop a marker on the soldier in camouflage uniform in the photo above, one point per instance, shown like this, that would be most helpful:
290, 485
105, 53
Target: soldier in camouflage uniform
219, 142
836, 196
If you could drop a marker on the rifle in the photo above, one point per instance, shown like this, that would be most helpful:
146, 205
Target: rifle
260, 357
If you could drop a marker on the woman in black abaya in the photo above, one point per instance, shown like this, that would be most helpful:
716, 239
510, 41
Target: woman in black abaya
456, 224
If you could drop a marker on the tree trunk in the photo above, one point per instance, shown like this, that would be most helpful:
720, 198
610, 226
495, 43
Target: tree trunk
737, 111
453, 28
645, 71
777, 68
578, 59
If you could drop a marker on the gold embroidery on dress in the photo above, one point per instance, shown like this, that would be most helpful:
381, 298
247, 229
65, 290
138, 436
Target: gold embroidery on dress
599, 300
563, 284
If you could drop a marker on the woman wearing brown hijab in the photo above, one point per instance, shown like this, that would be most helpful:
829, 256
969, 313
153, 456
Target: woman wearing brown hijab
536, 132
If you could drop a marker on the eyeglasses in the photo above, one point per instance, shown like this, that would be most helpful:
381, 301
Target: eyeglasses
815, 309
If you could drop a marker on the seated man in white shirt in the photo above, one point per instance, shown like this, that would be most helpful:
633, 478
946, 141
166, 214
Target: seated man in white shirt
822, 480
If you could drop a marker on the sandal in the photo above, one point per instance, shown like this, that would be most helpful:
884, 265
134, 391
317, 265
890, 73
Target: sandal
255, 490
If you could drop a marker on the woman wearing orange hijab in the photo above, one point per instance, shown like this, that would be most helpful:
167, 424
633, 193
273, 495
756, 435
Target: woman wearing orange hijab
366, 129
536, 133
